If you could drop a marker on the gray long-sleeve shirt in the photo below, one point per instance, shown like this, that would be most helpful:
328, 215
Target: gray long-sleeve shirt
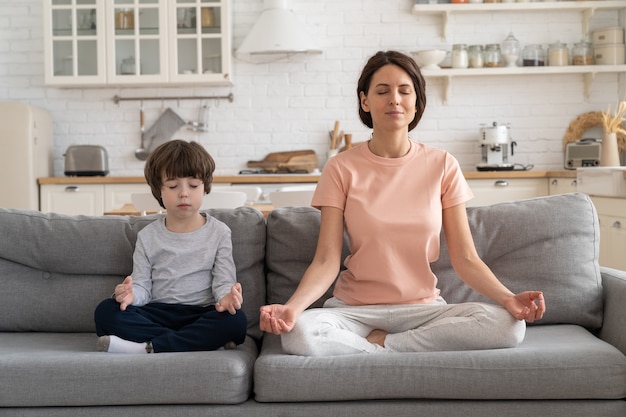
194, 268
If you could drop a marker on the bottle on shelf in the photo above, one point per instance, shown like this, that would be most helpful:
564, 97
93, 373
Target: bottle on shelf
558, 54
510, 50
582, 53
493, 56
533, 56
460, 58
476, 56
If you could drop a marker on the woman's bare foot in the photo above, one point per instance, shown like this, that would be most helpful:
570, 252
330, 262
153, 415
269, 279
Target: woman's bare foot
377, 337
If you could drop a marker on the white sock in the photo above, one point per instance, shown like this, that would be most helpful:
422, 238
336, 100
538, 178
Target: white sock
119, 345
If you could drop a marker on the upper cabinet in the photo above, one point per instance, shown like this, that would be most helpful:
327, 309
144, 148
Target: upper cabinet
137, 42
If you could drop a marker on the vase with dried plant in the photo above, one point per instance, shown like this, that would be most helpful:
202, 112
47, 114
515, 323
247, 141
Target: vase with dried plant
613, 125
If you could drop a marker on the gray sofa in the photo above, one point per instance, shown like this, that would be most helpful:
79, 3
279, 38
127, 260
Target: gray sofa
54, 269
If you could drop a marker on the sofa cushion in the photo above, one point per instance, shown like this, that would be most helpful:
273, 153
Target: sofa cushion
553, 362
62, 369
292, 234
549, 244
63, 266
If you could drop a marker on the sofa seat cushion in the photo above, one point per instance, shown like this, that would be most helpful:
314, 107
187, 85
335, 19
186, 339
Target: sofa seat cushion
553, 362
63, 369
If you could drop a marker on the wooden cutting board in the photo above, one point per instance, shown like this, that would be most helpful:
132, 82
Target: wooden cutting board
292, 161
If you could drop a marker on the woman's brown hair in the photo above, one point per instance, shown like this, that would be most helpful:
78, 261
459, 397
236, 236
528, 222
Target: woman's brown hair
178, 159
379, 60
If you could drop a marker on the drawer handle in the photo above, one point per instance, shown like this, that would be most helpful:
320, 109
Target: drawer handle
72, 189
617, 224
501, 183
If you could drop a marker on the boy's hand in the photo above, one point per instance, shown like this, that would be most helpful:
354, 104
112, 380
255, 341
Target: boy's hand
124, 293
231, 301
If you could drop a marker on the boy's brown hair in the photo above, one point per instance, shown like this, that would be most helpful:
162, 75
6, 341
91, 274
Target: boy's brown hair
178, 159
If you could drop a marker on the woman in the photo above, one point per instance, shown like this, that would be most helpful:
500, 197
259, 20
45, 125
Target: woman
394, 195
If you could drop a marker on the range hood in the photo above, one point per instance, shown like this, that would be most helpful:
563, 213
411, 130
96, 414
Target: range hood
277, 33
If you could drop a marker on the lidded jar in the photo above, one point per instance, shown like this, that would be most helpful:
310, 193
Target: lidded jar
558, 54
582, 53
493, 56
533, 56
476, 56
460, 58
510, 50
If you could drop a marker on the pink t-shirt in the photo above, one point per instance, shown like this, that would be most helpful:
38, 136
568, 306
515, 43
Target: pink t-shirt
393, 215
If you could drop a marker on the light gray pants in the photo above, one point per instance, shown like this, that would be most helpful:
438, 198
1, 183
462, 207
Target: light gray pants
339, 329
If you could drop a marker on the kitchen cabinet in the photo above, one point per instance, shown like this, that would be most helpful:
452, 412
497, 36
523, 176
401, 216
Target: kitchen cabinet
558, 185
74, 42
137, 42
585, 9
89, 199
72, 199
612, 218
492, 191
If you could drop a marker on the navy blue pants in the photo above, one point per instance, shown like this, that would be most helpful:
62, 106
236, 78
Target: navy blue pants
171, 327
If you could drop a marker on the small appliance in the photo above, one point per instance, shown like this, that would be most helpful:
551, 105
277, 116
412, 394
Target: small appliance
496, 146
584, 153
86, 161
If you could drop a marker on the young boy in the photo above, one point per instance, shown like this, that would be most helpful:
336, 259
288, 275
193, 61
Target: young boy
182, 294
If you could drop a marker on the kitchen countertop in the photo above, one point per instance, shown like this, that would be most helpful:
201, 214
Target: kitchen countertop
297, 178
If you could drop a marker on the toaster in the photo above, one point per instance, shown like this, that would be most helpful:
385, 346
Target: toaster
86, 161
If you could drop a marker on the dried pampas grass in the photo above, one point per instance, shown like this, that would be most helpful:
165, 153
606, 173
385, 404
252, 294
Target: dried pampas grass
609, 123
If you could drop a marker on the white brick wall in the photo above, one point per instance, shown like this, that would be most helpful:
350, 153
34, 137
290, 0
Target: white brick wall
292, 104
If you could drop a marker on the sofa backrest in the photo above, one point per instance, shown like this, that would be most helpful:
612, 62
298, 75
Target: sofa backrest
549, 244
55, 269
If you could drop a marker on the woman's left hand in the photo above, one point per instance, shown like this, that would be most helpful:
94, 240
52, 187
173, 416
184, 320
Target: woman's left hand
528, 305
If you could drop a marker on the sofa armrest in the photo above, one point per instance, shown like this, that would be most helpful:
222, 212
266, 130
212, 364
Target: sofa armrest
614, 328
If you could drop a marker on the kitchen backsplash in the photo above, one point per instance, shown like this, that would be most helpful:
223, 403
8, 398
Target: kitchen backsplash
292, 104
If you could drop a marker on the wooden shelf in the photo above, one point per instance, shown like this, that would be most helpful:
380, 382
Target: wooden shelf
588, 72
587, 8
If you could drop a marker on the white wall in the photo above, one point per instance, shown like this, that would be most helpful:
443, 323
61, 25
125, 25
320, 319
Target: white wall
292, 104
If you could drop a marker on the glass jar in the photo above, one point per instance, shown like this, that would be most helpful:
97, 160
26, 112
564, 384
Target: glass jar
207, 17
533, 56
460, 58
558, 54
582, 53
493, 56
476, 56
510, 50
125, 19
127, 67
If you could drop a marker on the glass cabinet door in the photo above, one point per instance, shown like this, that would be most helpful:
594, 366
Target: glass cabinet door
137, 41
200, 41
75, 44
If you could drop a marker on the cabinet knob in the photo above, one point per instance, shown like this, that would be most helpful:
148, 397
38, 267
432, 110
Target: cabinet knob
501, 183
617, 224
555, 182
72, 189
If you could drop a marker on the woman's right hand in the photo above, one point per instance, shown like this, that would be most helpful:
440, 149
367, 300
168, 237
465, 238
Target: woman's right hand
277, 318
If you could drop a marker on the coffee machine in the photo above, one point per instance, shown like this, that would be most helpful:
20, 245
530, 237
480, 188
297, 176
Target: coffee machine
496, 146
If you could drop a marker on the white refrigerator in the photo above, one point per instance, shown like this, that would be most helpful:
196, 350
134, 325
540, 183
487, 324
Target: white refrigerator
26, 151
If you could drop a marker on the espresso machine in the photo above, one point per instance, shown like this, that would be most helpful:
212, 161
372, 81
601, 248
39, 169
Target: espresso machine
496, 146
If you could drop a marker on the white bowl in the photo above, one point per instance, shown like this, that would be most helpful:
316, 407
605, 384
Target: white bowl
430, 59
